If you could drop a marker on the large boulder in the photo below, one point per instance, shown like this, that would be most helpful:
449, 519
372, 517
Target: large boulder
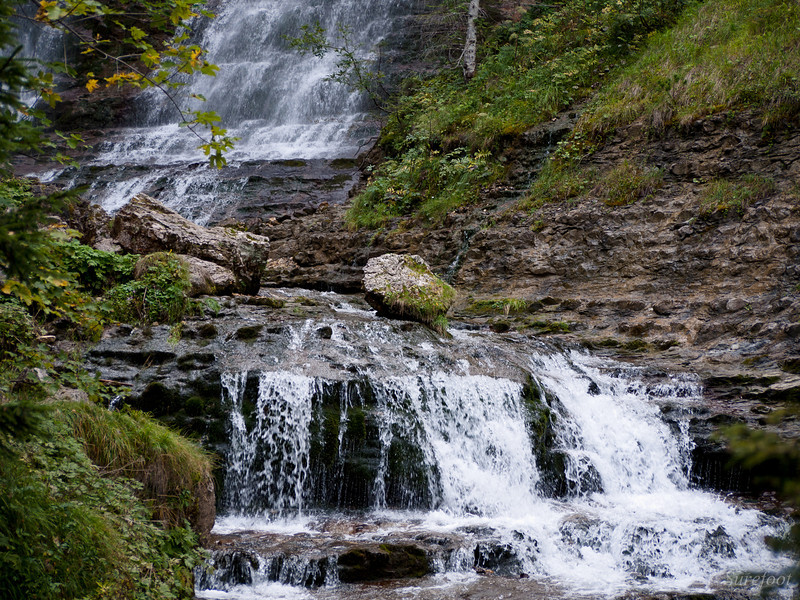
403, 286
144, 226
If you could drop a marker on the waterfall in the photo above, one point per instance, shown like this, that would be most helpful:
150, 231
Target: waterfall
280, 104
569, 475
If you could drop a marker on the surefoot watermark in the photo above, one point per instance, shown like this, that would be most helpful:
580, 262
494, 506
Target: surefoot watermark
759, 581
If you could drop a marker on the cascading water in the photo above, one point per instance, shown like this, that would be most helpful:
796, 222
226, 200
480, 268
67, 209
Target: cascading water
279, 103
569, 476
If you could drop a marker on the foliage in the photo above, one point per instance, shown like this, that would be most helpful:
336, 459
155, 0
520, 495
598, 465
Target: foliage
628, 182
722, 55
96, 270
352, 69
558, 182
67, 532
530, 70
27, 242
157, 295
141, 44
724, 196
503, 305
773, 459
423, 181
132, 445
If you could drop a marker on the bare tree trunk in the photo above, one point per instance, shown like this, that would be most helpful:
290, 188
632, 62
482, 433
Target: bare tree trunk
471, 44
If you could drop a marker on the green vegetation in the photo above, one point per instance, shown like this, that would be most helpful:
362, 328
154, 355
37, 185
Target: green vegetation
71, 528
427, 302
424, 182
773, 460
561, 180
157, 295
445, 138
551, 327
132, 445
724, 196
558, 183
499, 305
66, 531
721, 55
627, 183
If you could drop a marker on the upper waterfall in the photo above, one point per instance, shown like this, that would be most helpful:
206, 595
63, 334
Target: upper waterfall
290, 120
278, 102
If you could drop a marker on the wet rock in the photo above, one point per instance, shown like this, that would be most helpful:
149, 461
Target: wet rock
497, 557
403, 286
144, 226
718, 543
388, 561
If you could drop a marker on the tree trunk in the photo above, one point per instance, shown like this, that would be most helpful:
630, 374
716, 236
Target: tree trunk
471, 44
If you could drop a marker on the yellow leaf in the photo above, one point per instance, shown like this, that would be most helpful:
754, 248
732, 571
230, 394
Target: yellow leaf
92, 85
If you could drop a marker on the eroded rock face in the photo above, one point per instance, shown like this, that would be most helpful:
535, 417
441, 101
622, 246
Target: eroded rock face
144, 226
403, 286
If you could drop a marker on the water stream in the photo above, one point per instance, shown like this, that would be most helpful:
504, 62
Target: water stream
518, 471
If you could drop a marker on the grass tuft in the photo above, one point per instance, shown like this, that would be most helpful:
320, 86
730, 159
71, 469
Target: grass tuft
726, 196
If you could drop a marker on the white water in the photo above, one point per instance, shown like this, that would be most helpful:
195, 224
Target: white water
278, 103
647, 528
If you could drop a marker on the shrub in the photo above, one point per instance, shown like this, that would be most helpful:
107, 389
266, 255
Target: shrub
96, 270
66, 532
157, 295
445, 137
423, 181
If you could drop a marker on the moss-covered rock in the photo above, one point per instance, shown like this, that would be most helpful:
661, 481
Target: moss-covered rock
403, 286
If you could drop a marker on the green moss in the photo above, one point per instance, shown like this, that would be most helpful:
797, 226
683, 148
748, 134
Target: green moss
425, 302
791, 365
551, 326
498, 305
356, 424
248, 333
305, 301
636, 346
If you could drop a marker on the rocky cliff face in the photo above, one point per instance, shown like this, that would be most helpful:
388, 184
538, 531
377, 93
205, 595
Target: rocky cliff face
665, 280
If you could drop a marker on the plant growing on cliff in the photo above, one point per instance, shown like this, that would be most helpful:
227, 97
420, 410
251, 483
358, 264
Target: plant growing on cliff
553, 57
725, 196
68, 532
157, 295
721, 55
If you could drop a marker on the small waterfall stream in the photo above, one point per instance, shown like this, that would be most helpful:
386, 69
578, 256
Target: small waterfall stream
564, 482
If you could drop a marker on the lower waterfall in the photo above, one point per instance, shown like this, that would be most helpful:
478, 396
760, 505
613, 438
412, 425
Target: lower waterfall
571, 482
